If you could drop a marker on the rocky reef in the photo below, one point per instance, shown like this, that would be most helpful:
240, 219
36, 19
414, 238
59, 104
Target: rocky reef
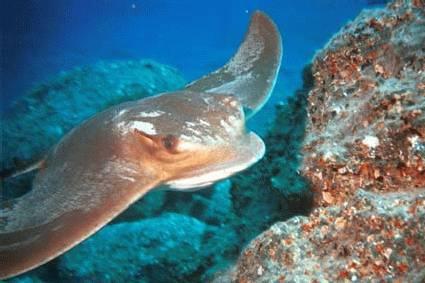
364, 155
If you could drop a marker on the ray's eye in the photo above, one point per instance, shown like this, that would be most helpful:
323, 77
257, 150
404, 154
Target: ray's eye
170, 142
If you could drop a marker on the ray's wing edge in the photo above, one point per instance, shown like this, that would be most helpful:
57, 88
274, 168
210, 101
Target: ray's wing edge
23, 250
252, 72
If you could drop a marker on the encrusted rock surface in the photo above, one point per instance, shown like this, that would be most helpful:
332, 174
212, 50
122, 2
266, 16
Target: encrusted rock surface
371, 237
364, 154
366, 111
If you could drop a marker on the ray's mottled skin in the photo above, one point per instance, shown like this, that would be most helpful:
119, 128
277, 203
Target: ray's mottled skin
182, 140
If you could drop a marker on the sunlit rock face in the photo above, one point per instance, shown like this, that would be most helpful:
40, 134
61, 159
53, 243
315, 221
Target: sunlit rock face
364, 155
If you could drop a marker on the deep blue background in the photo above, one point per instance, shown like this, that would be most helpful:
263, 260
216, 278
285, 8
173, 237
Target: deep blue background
41, 38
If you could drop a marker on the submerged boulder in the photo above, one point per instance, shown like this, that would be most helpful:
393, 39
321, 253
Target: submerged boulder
367, 109
372, 236
169, 248
364, 155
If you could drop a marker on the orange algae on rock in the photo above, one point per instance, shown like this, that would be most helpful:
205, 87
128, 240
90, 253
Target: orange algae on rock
364, 154
367, 120
370, 237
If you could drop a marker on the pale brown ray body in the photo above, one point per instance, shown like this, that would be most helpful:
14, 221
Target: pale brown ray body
182, 140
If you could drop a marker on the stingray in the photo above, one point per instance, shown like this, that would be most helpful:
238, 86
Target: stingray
181, 140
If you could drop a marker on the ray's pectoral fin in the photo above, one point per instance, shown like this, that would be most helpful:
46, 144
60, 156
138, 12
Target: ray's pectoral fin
246, 154
251, 73
64, 207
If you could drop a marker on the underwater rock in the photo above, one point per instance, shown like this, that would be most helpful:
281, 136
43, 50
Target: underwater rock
367, 109
37, 121
150, 205
372, 236
210, 206
364, 155
168, 248
26, 279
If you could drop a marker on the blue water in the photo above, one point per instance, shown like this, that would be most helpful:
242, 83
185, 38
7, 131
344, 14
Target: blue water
41, 38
